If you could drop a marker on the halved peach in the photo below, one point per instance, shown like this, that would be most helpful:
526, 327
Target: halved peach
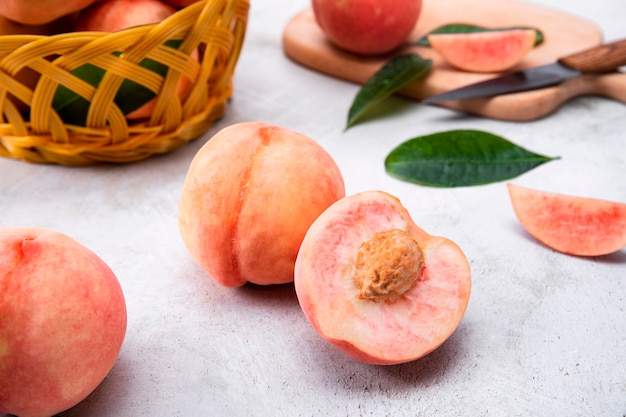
575, 225
375, 285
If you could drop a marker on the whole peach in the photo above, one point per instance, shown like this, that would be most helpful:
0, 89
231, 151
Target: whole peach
62, 321
250, 195
39, 12
114, 15
367, 27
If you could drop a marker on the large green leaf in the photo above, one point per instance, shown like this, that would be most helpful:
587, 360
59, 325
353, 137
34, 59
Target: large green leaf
460, 158
73, 109
469, 28
392, 76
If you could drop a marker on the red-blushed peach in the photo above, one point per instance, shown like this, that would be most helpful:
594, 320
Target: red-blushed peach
62, 321
367, 27
114, 15
39, 12
576, 225
250, 194
375, 285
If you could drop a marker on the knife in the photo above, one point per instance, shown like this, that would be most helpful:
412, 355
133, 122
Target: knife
599, 59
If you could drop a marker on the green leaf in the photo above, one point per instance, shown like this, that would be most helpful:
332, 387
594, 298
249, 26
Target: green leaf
452, 28
73, 109
394, 75
460, 158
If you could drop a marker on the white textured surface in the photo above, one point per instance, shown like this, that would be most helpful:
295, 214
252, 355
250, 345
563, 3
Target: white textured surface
544, 334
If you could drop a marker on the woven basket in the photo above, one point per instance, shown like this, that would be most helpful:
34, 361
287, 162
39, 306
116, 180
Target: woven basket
31, 130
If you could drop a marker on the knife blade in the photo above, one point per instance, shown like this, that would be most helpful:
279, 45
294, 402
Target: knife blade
599, 59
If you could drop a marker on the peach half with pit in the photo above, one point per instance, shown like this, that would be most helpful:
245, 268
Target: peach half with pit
250, 194
62, 321
375, 285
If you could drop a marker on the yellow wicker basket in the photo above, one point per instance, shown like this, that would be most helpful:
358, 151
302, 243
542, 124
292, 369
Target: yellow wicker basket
31, 130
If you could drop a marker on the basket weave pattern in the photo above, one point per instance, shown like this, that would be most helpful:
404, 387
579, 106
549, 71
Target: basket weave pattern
32, 131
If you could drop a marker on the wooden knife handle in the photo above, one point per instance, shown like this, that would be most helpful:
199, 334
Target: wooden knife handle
603, 58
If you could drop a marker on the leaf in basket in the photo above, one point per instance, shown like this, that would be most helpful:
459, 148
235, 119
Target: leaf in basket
73, 109
469, 28
394, 75
460, 158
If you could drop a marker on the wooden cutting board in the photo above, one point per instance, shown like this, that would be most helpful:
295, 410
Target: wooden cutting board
305, 43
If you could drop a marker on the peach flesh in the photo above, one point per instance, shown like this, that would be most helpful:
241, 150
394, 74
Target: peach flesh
367, 27
383, 331
250, 195
62, 321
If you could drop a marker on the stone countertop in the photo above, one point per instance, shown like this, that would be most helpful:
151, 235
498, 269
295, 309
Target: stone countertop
544, 333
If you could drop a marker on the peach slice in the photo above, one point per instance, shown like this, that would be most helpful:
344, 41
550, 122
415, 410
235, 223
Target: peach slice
250, 195
375, 285
570, 224
492, 51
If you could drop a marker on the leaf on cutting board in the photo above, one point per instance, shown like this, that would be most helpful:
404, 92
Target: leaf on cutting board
392, 76
460, 158
452, 28
73, 109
